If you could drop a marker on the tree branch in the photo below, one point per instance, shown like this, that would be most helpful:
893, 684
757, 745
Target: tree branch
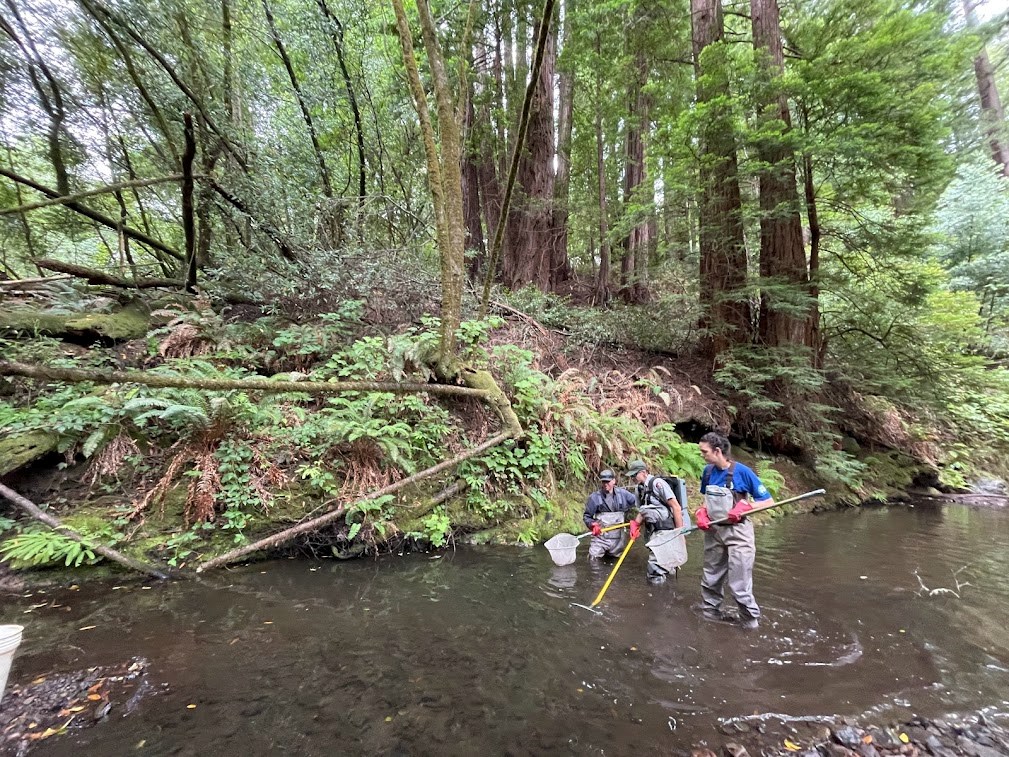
94, 276
147, 378
94, 215
108, 189
316, 523
35, 512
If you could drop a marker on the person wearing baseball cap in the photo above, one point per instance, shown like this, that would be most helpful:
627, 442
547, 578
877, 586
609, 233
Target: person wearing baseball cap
658, 509
607, 506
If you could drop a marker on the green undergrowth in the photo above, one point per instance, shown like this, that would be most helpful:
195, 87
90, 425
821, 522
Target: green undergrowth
182, 475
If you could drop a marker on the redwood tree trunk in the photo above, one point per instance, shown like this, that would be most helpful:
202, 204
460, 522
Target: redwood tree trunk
637, 190
471, 198
782, 256
527, 254
992, 112
561, 269
724, 304
602, 294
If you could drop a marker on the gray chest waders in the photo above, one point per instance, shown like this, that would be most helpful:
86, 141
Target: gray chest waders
718, 501
611, 542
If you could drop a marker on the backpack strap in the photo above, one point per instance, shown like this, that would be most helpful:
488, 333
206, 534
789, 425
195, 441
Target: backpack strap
729, 484
651, 495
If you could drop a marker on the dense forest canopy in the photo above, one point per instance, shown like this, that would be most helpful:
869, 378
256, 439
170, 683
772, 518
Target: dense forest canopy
808, 196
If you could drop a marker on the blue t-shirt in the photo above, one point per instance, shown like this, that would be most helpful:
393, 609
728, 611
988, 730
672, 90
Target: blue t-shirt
743, 480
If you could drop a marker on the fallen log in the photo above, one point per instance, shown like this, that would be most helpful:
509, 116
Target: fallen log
38, 514
94, 276
147, 378
314, 524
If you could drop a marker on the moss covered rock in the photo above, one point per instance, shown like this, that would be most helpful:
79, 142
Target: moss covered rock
18, 451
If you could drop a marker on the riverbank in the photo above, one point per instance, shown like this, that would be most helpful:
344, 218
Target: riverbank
975, 735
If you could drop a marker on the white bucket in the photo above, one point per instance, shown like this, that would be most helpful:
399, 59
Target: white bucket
10, 639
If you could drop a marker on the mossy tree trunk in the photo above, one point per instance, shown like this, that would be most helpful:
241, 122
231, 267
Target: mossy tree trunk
444, 174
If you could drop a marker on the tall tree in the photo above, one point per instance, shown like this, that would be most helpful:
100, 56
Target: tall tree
529, 255
723, 266
992, 112
444, 172
638, 194
784, 315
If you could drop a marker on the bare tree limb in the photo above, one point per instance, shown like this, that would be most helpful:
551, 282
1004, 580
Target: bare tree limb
94, 215
94, 276
316, 523
287, 249
107, 189
147, 378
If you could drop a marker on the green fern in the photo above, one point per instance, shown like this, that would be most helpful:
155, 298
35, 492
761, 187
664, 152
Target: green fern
46, 547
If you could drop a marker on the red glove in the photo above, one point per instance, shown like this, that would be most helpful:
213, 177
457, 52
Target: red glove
597, 529
703, 521
635, 529
739, 511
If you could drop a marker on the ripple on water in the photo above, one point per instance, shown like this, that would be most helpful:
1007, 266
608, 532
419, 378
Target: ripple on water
480, 651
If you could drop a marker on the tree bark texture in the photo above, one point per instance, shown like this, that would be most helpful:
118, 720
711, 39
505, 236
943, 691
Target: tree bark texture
723, 266
992, 113
782, 255
529, 253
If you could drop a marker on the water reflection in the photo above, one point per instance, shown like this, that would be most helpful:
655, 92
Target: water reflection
481, 650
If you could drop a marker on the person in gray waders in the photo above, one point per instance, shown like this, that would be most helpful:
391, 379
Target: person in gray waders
607, 507
658, 509
729, 550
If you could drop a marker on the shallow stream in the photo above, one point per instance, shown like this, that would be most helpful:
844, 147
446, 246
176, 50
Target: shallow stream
480, 651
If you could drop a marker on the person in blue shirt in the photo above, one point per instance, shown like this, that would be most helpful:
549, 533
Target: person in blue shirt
730, 549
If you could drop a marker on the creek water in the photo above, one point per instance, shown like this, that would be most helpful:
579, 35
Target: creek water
480, 651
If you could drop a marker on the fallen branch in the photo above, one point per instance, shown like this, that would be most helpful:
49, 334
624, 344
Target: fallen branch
35, 512
94, 215
94, 276
90, 193
520, 315
38, 281
146, 378
323, 520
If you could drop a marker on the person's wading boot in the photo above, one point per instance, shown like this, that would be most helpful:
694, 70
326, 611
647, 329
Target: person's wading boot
714, 615
749, 624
